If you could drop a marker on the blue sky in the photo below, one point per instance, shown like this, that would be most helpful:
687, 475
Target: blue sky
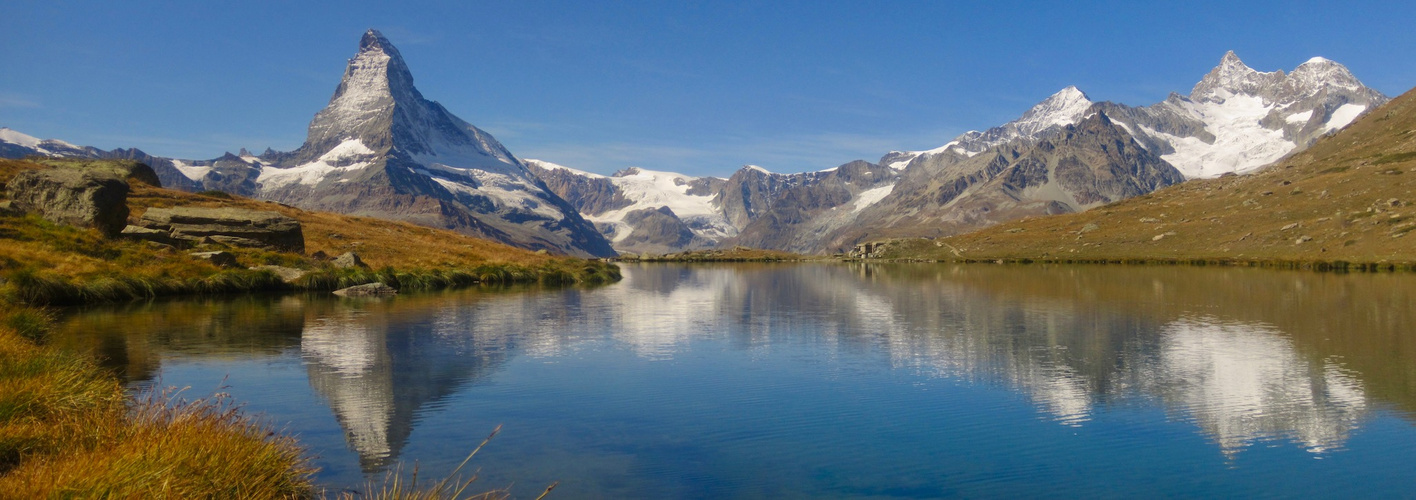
695, 87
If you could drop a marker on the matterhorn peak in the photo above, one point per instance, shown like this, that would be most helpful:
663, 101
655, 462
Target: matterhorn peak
375, 41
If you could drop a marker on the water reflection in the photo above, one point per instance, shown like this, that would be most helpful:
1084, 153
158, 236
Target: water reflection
1246, 356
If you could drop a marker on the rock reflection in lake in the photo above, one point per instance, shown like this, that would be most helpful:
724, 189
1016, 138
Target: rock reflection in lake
1239, 356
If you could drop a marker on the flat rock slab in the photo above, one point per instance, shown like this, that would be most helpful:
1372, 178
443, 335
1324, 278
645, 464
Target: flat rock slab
286, 274
129, 170
231, 226
367, 290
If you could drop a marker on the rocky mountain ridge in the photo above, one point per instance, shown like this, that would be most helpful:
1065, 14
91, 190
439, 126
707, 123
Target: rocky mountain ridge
1064, 154
381, 149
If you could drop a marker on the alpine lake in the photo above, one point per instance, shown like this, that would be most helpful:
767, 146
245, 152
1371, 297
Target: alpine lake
822, 380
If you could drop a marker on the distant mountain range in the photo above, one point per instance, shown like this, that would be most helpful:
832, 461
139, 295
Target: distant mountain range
1065, 154
379, 148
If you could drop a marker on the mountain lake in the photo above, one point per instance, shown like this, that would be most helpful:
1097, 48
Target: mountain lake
823, 380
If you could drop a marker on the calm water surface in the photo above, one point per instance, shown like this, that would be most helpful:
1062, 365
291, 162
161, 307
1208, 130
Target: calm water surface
875, 381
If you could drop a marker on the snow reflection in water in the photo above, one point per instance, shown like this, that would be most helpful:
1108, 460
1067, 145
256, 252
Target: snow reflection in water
1073, 343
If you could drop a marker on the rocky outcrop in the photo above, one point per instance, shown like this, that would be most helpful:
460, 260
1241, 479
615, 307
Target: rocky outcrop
128, 170
656, 230
75, 197
231, 226
367, 290
349, 260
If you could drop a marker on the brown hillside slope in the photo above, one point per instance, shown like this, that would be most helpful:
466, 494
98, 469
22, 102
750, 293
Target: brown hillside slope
1349, 198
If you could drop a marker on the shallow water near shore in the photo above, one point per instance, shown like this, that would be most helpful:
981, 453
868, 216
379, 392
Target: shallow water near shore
824, 380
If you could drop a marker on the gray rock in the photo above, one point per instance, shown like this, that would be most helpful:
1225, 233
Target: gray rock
286, 274
124, 169
367, 290
73, 197
349, 260
219, 259
144, 234
230, 226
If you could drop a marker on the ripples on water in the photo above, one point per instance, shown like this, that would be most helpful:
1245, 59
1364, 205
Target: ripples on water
895, 381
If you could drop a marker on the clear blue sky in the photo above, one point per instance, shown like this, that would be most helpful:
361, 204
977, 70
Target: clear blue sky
696, 87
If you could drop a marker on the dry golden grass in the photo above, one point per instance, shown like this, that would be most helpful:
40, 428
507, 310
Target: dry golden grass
67, 429
1330, 204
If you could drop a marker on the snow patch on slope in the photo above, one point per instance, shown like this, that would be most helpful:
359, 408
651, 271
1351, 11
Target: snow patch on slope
1241, 144
654, 189
552, 166
11, 136
1343, 116
870, 197
349, 155
190, 171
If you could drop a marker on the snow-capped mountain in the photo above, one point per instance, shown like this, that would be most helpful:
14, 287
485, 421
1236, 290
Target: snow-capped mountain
380, 148
1237, 119
642, 210
1063, 108
14, 144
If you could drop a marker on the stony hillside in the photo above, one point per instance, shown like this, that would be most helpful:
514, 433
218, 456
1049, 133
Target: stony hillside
1348, 198
1068, 169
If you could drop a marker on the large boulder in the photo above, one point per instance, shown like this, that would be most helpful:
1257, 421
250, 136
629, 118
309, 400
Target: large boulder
231, 226
349, 260
128, 170
75, 197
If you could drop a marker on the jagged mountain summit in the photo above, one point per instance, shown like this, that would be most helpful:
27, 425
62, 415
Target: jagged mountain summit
1237, 119
381, 149
1063, 108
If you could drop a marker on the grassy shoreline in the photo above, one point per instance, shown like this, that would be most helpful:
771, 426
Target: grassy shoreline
923, 250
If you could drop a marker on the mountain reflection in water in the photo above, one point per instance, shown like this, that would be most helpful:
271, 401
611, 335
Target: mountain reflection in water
1245, 356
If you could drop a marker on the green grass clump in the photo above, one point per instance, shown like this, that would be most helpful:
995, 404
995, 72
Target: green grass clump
1394, 158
